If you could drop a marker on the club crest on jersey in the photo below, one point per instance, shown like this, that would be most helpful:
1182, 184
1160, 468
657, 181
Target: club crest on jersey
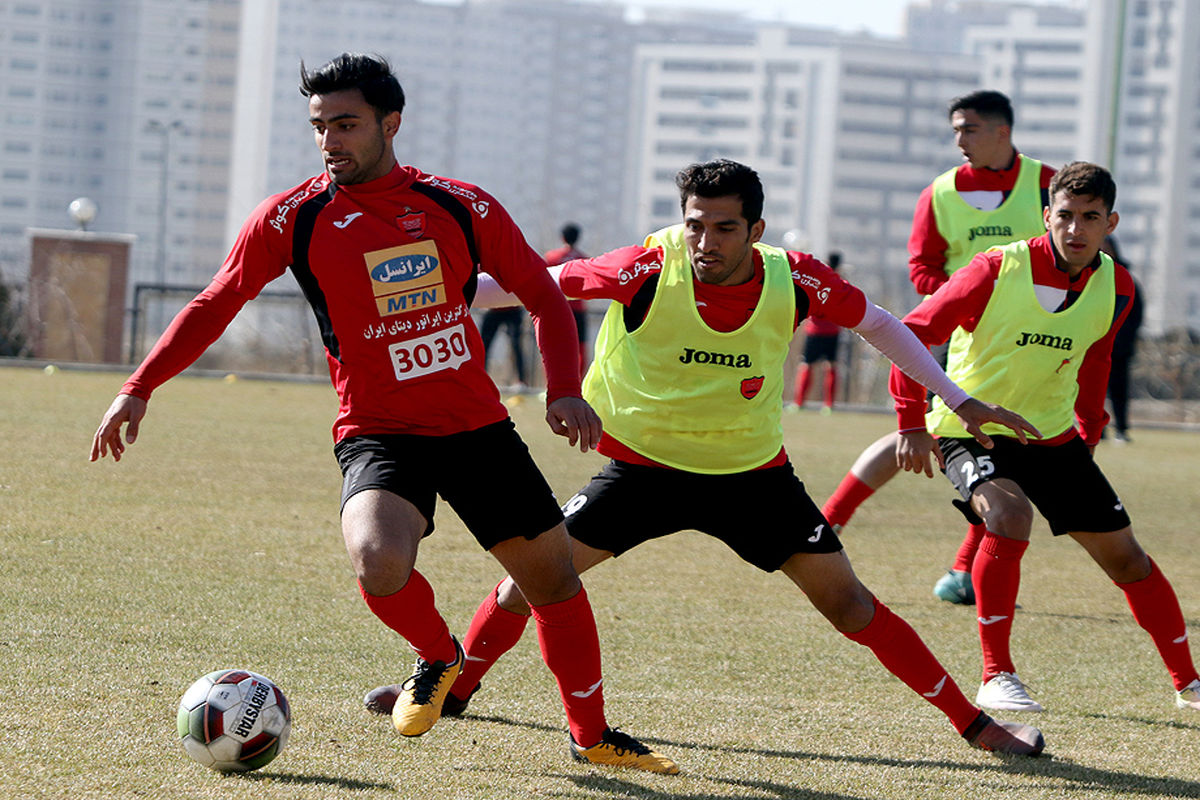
751, 387
412, 223
736, 360
406, 278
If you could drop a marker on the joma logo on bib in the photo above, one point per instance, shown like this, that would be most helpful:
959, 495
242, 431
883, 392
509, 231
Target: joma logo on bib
735, 360
1045, 340
990, 230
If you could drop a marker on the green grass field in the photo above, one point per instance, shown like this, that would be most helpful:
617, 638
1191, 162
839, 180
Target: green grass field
214, 543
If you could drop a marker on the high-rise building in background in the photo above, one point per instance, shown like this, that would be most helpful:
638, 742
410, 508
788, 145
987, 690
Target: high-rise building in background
127, 103
844, 131
178, 116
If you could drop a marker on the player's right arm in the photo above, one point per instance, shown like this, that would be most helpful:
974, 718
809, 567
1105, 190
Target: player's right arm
261, 253
196, 327
926, 247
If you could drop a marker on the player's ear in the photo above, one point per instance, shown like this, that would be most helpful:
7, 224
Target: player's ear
756, 230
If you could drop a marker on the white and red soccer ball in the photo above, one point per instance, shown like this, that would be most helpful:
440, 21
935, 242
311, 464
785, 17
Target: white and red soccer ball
233, 720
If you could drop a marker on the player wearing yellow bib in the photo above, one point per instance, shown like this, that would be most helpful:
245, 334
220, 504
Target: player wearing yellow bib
994, 198
1037, 321
687, 379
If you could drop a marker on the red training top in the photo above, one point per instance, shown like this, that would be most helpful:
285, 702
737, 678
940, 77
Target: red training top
961, 302
389, 267
621, 274
926, 245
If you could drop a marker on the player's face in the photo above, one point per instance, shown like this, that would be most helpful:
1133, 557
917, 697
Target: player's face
1078, 225
719, 239
355, 146
985, 143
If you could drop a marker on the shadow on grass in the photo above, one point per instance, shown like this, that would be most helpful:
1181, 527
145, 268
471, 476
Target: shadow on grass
315, 780
1068, 778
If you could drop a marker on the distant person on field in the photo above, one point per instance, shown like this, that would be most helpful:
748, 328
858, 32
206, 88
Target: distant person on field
512, 320
820, 345
560, 255
388, 257
1036, 321
1124, 350
995, 197
688, 378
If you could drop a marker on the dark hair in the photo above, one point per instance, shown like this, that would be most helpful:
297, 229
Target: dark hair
1084, 179
570, 233
722, 178
986, 103
834, 260
371, 75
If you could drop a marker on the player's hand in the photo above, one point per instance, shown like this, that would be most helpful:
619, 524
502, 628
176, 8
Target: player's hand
125, 410
913, 449
973, 414
573, 418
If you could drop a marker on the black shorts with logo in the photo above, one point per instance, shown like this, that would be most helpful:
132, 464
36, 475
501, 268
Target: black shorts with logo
764, 515
1063, 481
486, 475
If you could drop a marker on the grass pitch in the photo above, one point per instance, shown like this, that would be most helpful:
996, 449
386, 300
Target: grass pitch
214, 543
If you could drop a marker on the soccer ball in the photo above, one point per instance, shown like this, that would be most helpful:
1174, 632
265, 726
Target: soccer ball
233, 720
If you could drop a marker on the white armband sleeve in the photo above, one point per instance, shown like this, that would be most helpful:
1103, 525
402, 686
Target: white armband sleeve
893, 338
489, 293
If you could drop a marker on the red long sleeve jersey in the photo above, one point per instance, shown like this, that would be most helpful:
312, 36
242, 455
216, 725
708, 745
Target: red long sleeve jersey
389, 267
629, 275
961, 302
926, 245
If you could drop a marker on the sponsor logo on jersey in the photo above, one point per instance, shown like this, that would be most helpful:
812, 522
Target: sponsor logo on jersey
751, 387
481, 208
1045, 340
735, 360
625, 276
346, 220
289, 204
406, 278
412, 222
991, 230
452, 188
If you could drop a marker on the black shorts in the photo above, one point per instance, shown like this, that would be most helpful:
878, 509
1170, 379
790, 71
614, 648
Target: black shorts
820, 347
1062, 481
764, 515
486, 475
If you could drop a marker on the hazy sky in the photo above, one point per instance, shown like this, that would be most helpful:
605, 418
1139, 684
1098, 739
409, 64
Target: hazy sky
880, 17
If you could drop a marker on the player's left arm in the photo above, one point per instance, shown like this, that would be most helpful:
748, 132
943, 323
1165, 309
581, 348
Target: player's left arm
1090, 415
506, 254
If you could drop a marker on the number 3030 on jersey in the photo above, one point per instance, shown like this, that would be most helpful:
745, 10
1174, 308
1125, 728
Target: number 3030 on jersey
444, 349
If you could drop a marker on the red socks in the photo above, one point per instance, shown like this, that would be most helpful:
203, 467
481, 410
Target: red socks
996, 576
411, 613
970, 543
803, 383
492, 633
1156, 609
571, 649
849, 495
900, 649
830, 384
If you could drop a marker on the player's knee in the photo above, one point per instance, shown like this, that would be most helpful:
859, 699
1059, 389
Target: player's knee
509, 597
1013, 521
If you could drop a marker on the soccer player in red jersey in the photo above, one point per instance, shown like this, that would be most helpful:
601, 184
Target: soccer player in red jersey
389, 257
995, 197
688, 378
1037, 320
